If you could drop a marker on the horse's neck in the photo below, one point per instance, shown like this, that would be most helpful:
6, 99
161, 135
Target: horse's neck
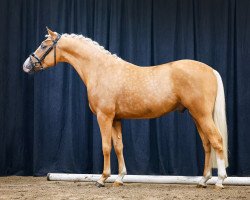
84, 57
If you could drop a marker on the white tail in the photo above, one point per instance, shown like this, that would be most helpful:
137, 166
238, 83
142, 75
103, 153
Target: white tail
220, 120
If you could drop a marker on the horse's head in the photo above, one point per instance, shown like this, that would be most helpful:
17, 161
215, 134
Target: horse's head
45, 55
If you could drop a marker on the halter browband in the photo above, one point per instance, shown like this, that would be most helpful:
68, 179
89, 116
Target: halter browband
39, 60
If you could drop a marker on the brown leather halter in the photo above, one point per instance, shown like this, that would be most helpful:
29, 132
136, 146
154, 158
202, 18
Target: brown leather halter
39, 60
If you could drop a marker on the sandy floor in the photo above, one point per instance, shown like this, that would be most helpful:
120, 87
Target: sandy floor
39, 188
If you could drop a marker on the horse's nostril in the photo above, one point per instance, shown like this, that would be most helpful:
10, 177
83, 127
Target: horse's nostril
25, 69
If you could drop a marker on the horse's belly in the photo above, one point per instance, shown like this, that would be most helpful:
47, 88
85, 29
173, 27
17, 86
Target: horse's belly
142, 110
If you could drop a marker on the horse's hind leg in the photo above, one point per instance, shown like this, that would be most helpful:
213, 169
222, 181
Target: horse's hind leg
211, 132
207, 173
118, 146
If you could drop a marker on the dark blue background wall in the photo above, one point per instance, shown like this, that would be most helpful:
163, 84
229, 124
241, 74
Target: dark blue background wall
45, 121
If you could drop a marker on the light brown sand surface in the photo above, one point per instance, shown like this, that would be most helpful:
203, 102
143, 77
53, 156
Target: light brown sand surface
14, 187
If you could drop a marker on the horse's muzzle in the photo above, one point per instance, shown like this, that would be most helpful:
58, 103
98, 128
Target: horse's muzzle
27, 66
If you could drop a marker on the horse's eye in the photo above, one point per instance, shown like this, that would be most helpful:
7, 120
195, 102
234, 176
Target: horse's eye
43, 46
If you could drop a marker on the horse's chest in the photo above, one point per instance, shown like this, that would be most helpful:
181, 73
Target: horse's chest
100, 100
92, 108
93, 102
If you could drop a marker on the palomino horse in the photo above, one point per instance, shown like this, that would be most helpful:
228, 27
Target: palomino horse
118, 89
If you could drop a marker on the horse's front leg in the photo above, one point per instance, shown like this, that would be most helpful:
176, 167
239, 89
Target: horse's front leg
105, 123
118, 146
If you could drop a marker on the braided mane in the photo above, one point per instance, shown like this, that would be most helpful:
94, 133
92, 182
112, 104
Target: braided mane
81, 37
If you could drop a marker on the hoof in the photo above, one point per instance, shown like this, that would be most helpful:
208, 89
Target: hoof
219, 186
117, 184
99, 184
201, 185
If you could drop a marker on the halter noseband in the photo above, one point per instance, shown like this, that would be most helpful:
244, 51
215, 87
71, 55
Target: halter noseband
39, 60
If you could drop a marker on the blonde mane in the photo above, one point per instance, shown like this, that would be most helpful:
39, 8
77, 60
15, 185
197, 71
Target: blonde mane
81, 37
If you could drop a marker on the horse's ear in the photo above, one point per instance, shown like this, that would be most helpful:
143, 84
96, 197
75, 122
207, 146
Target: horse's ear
52, 34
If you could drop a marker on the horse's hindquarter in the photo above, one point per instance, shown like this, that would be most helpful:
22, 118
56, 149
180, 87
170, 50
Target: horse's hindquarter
195, 85
147, 92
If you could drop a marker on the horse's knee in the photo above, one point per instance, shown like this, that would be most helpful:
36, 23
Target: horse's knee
106, 149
